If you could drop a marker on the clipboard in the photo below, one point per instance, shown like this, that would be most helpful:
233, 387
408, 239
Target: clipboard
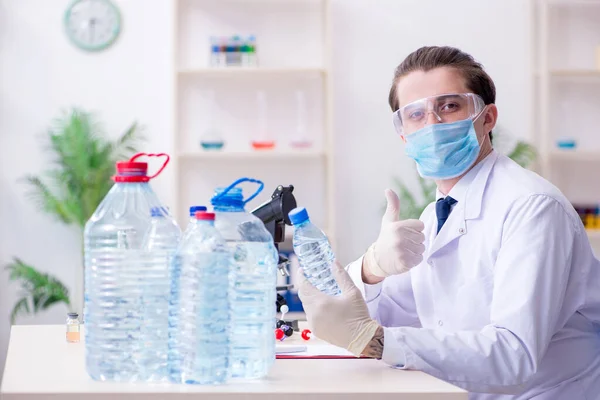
312, 352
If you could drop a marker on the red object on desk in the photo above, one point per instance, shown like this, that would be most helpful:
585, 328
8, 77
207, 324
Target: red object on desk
324, 357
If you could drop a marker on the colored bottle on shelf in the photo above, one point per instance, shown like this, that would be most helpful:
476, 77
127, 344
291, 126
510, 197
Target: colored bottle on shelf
263, 139
234, 51
252, 58
300, 139
215, 52
314, 252
245, 50
223, 42
200, 306
255, 278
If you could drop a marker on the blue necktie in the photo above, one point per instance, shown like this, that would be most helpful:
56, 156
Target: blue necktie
442, 210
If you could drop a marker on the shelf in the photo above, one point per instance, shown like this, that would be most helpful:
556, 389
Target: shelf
258, 2
241, 71
593, 233
576, 73
576, 155
253, 154
565, 3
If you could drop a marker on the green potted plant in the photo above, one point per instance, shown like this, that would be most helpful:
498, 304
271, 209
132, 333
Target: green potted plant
70, 190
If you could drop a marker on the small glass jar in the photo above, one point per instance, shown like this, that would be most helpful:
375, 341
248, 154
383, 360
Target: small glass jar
73, 328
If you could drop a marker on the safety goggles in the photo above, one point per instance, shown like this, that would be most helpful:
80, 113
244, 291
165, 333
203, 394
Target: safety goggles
443, 108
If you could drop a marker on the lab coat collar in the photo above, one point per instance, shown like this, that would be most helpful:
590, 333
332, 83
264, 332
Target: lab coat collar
459, 191
469, 195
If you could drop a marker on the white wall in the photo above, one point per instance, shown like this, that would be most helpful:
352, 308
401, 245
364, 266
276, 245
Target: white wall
41, 73
369, 45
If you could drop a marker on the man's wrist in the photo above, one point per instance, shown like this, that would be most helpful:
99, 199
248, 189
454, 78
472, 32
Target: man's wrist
374, 348
368, 261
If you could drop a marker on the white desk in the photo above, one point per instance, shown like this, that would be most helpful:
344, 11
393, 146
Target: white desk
40, 365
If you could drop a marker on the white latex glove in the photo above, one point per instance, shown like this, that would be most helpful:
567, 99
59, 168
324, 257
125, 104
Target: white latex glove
342, 320
399, 246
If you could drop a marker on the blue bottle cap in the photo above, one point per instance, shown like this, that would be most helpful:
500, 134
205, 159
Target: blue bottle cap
193, 210
298, 215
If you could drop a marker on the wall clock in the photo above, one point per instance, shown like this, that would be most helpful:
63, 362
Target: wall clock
92, 25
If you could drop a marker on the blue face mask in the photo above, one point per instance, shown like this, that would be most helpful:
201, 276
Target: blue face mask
444, 151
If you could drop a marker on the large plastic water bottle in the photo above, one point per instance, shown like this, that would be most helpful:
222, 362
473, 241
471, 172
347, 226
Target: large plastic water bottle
116, 276
314, 252
199, 309
159, 245
255, 278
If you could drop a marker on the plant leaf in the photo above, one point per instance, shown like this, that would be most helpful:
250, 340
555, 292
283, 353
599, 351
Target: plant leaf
46, 200
84, 162
523, 154
21, 308
39, 289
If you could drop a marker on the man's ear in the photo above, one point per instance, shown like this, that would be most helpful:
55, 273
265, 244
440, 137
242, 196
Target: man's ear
490, 118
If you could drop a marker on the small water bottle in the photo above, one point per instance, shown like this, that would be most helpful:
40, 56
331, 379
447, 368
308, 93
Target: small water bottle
314, 252
125, 290
163, 232
159, 246
192, 220
199, 307
255, 279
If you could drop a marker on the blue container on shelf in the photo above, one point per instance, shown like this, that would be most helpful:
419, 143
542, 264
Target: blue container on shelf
566, 144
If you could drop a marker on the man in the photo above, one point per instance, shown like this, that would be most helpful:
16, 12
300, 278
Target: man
495, 289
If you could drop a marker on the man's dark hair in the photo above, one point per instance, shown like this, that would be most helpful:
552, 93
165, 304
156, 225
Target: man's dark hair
431, 57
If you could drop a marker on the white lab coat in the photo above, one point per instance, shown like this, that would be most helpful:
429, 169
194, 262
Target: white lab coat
506, 302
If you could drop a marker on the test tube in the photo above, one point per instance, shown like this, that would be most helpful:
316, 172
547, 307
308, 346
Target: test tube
300, 139
263, 139
212, 138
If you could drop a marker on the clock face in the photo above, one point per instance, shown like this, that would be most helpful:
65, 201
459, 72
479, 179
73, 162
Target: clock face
92, 24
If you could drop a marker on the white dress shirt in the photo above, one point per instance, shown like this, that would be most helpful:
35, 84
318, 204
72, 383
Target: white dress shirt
506, 302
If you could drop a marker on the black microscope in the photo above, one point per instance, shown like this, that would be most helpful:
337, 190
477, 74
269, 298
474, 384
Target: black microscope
274, 214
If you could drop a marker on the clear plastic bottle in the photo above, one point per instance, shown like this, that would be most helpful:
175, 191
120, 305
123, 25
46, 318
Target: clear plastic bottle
199, 309
255, 277
116, 277
159, 245
314, 252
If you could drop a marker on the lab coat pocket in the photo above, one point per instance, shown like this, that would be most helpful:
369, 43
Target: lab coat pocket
473, 300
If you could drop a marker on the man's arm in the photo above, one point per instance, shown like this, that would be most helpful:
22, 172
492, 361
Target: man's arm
530, 279
390, 302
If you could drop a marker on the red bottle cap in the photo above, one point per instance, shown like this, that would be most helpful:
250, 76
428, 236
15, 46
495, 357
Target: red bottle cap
205, 216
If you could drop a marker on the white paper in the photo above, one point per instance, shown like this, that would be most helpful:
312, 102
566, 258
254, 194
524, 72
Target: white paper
314, 350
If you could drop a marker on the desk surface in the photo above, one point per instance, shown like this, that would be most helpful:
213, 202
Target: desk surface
40, 365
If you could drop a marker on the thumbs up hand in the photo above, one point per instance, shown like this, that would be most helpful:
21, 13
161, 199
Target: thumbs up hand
399, 246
